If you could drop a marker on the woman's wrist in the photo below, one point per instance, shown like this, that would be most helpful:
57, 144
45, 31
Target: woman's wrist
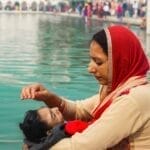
53, 100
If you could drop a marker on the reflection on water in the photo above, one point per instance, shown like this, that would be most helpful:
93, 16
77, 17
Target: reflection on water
47, 49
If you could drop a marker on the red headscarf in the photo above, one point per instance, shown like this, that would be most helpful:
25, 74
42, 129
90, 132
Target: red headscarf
128, 65
126, 56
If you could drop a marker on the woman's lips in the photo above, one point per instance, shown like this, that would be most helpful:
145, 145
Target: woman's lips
98, 78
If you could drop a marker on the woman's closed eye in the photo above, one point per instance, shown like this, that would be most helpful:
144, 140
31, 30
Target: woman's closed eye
97, 61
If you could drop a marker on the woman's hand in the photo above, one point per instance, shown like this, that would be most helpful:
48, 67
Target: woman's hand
40, 93
35, 91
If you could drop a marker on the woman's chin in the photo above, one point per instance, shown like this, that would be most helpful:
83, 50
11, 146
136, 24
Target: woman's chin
102, 82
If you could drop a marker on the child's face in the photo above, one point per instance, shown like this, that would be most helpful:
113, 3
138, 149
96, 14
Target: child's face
51, 116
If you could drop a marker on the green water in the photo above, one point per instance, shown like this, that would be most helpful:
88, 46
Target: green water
48, 49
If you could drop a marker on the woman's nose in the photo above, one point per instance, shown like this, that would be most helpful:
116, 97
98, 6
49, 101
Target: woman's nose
91, 67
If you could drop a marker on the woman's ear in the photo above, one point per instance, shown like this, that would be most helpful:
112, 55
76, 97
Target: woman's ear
49, 132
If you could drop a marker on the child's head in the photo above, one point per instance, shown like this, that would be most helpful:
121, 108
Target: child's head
38, 122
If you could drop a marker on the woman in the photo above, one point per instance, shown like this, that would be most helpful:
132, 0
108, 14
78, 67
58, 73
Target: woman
119, 114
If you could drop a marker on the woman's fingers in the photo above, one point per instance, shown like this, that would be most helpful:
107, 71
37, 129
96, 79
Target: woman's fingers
22, 95
28, 93
32, 92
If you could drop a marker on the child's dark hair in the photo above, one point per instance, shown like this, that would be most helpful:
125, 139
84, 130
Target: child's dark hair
100, 38
33, 129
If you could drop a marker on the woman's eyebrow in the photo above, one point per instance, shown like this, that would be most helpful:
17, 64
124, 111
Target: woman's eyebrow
95, 58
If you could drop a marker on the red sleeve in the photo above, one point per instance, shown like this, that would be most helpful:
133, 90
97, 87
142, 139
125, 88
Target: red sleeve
72, 127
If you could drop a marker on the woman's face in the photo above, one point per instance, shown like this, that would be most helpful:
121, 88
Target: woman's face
51, 116
98, 65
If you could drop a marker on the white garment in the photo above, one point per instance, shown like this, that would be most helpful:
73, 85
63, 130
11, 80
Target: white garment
128, 116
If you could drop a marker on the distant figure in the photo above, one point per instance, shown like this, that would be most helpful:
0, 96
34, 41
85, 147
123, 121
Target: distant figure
8, 6
106, 9
17, 6
87, 12
24, 6
34, 6
119, 12
143, 24
135, 9
41, 6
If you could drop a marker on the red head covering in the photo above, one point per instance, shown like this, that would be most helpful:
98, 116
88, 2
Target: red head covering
128, 65
126, 56
126, 60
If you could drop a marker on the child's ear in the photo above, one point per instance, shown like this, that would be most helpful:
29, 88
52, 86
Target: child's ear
49, 132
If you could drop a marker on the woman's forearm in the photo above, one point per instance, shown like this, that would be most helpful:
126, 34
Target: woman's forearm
52, 100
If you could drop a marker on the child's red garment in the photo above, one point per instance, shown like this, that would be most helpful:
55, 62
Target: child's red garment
71, 127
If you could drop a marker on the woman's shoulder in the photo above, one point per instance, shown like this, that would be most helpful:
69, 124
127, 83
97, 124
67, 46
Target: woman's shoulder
138, 97
141, 96
142, 91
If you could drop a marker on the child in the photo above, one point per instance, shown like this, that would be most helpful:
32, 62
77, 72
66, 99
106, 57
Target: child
45, 126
